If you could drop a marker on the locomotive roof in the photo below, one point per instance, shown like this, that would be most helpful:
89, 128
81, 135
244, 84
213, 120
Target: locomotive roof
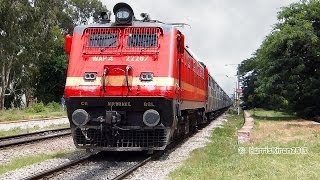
165, 27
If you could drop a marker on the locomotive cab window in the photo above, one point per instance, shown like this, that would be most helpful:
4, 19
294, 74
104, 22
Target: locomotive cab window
103, 40
142, 40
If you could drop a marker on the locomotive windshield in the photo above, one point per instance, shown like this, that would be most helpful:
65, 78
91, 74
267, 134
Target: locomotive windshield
142, 40
103, 40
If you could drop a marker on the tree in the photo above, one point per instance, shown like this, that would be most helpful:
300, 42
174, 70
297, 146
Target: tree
288, 61
49, 78
248, 73
32, 41
13, 17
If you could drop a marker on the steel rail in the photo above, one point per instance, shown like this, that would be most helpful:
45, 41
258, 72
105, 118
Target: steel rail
127, 172
12, 141
48, 172
32, 133
157, 155
29, 120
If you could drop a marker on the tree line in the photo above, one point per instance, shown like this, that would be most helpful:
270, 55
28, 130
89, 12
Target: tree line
284, 73
32, 59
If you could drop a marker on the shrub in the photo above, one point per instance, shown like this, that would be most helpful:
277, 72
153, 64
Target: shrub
36, 108
53, 107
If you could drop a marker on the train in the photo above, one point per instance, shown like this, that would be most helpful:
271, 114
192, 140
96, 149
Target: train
133, 85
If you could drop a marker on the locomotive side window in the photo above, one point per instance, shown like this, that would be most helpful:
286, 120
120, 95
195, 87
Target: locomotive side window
103, 40
142, 40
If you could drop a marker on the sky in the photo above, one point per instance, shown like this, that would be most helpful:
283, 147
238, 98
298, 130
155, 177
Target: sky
223, 32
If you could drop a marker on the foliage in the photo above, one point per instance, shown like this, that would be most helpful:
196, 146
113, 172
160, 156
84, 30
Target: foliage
54, 106
35, 111
36, 108
40, 107
32, 56
261, 114
286, 67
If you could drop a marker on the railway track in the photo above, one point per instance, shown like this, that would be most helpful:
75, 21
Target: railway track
47, 174
51, 173
8, 141
130, 170
82, 161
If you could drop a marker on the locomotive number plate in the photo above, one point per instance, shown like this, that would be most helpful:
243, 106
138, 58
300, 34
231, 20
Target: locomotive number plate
102, 58
136, 58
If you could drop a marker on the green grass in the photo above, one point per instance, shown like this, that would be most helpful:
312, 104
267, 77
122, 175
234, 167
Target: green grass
25, 161
16, 131
221, 159
271, 115
36, 111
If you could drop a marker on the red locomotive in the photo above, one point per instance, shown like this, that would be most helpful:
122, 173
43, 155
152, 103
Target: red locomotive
133, 85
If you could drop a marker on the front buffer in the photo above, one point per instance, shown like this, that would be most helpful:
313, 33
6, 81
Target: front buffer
121, 123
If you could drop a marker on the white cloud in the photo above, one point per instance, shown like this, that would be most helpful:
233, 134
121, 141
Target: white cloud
222, 31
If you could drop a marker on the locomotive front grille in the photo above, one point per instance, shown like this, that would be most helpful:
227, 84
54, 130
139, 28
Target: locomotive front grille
146, 138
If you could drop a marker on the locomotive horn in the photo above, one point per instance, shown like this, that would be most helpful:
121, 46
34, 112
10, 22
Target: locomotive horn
105, 16
145, 16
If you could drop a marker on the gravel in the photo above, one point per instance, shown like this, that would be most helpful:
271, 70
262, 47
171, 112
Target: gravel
35, 168
33, 123
47, 134
63, 143
96, 170
101, 166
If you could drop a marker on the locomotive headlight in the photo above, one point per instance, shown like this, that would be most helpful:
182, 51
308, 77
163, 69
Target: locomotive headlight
151, 118
80, 117
90, 76
123, 14
146, 76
